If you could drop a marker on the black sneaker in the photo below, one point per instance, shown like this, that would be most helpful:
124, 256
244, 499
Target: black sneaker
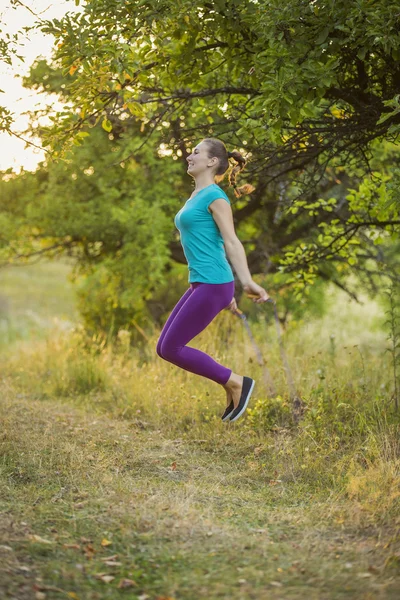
247, 388
228, 411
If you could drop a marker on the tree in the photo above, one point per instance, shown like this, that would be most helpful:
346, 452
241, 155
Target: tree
115, 223
303, 87
8, 49
307, 90
318, 79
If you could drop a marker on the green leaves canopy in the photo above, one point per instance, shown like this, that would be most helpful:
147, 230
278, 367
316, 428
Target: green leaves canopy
309, 91
292, 73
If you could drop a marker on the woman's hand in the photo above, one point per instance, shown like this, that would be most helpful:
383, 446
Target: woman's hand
232, 306
253, 288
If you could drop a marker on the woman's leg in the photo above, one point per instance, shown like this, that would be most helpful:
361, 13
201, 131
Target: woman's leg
199, 309
170, 319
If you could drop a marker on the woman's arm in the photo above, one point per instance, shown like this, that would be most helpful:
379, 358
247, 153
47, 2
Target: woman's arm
222, 214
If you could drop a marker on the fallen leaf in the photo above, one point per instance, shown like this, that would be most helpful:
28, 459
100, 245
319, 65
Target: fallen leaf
40, 596
23, 569
104, 577
373, 569
74, 546
112, 563
173, 466
105, 542
113, 557
40, 540
126, 583
89, 551
276, 583
73, 595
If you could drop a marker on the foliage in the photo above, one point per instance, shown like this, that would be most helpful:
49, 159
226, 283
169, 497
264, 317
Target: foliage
9, 45
277, 65
300, 86
113, 224
270, 413
393, 326
307, 91
7, 49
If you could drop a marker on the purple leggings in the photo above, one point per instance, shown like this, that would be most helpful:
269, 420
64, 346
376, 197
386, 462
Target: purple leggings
194, 311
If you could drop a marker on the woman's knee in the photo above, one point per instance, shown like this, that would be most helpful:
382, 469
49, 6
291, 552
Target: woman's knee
158, 348
168, 352
165, 351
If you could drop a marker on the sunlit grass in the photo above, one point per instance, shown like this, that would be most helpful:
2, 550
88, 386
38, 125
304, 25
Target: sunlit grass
207, 512
35, 299
109, 441
345, 388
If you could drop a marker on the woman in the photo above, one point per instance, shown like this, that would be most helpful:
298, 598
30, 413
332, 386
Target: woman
207, 231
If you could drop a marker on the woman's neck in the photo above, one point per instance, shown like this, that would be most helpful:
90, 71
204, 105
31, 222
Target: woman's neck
202, 182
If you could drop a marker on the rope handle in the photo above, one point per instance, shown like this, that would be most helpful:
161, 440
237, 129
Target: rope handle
257, 296
240, 312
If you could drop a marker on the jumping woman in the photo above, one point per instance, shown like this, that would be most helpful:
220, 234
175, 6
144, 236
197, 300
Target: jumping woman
207, 231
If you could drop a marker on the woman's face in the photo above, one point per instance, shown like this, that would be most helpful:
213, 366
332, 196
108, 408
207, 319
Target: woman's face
199, 161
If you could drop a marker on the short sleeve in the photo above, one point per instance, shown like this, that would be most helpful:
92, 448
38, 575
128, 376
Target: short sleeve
215, 194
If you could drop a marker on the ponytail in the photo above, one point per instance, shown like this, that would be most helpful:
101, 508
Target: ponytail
217, 148
247, 188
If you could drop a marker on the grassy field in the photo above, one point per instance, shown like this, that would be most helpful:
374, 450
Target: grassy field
119, 480
35, 299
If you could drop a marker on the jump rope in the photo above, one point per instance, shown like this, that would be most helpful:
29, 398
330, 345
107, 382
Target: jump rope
297, 403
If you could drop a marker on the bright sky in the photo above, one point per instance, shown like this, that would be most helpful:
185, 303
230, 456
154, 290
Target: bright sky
16, 98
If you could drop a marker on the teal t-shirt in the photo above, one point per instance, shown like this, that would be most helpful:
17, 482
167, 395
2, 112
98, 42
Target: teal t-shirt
201, 239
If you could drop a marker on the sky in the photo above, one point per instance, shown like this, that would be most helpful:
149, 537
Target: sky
13, 151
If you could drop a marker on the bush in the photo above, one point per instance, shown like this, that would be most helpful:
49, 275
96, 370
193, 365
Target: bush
269, 413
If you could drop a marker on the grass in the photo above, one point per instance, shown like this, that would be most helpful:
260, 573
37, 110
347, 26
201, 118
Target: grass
183, 517
35, 299
119, 480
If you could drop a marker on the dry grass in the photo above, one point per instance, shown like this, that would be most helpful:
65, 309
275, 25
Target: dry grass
112, 443
207, 511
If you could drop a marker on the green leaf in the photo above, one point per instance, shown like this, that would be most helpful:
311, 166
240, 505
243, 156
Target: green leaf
135, 109
322, 36
107, 125
362, 52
